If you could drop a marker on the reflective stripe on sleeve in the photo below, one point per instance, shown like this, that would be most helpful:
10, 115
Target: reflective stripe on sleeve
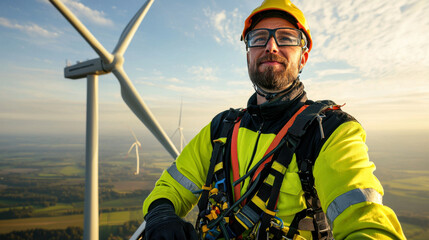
184, 181
352, 197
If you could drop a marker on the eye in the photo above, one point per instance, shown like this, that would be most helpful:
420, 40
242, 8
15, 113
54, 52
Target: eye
259, 40
284, 38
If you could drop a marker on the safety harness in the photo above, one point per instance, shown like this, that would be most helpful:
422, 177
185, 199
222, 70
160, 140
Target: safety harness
221, 215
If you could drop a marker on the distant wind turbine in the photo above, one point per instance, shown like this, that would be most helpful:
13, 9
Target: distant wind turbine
137, 145
107, 62
180, 129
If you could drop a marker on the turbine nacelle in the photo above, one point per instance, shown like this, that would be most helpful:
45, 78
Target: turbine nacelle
94, 66
83, 69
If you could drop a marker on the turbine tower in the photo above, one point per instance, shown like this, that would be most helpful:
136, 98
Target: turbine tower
180, 129
137, 145
106, 63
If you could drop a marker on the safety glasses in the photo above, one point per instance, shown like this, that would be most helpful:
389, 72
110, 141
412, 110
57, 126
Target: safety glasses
282, 36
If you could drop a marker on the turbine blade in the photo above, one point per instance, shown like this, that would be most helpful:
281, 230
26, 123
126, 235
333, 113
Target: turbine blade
174, 133
180, 115
131, 28
83, 31
135, 138
131, 148
136, 104
182, 137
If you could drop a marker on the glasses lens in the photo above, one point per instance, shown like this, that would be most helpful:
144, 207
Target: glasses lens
258, 37
288, 37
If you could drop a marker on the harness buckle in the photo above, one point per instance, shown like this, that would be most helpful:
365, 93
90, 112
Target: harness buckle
291, 141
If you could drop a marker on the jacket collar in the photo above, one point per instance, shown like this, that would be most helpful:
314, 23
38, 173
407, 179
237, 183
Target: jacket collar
287, 104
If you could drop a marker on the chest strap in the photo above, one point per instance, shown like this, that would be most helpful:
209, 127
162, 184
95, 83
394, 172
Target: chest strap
263, 204
274, 144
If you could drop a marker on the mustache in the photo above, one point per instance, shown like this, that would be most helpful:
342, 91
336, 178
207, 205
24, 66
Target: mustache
271, 58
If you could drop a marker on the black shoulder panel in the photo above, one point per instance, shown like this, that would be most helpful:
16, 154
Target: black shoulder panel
312, 142
217, 124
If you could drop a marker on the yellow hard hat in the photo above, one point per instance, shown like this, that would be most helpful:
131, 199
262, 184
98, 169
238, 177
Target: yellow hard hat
285, 6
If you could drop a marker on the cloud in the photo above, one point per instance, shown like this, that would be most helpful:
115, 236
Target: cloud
375, 37
244, 84
157, 77
30, 29
174, 80
94, 16
212, 96
37, 70
203, 73
389, 102
143, 82
226, 26
330, 72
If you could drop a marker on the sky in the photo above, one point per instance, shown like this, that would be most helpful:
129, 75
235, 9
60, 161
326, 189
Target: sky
371, 55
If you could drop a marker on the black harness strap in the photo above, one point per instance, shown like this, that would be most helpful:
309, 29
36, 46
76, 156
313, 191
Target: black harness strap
296, 132
217, 157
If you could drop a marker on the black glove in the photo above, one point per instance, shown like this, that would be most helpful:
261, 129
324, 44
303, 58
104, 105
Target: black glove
162, 223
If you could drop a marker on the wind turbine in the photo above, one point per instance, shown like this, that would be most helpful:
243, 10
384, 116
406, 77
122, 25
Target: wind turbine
106, 63
137, 145
180, 129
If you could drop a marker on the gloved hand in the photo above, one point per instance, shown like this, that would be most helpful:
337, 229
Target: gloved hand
162, 223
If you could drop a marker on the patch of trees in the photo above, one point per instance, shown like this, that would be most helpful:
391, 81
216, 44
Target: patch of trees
51, 195
24, 197
119, 232
12, 213
124, 231
22, 181
70, 233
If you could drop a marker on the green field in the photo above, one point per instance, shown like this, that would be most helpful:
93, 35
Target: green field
44, 222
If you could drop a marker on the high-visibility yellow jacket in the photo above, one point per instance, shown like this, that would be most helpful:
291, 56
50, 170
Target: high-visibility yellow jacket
349, 192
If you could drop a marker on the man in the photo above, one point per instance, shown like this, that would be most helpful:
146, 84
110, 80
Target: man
289, 158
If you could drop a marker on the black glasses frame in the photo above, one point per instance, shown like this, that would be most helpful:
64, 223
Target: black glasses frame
302, 41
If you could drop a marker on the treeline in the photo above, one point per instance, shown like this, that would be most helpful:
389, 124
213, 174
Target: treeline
70, 233
46, 196
120, 232
12, 213
25, 199
27, 212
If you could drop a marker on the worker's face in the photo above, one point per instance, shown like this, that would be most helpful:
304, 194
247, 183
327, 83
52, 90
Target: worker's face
274, 68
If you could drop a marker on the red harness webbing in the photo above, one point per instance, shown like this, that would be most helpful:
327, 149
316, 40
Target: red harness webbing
274, 143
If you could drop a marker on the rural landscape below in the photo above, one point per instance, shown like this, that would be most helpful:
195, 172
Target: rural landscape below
42, 184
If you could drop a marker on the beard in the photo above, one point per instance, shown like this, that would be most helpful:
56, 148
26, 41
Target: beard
271, 79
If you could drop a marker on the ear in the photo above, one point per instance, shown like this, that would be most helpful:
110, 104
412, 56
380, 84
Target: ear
304, 58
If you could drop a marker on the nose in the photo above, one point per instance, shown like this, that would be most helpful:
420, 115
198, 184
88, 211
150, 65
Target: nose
271, 46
